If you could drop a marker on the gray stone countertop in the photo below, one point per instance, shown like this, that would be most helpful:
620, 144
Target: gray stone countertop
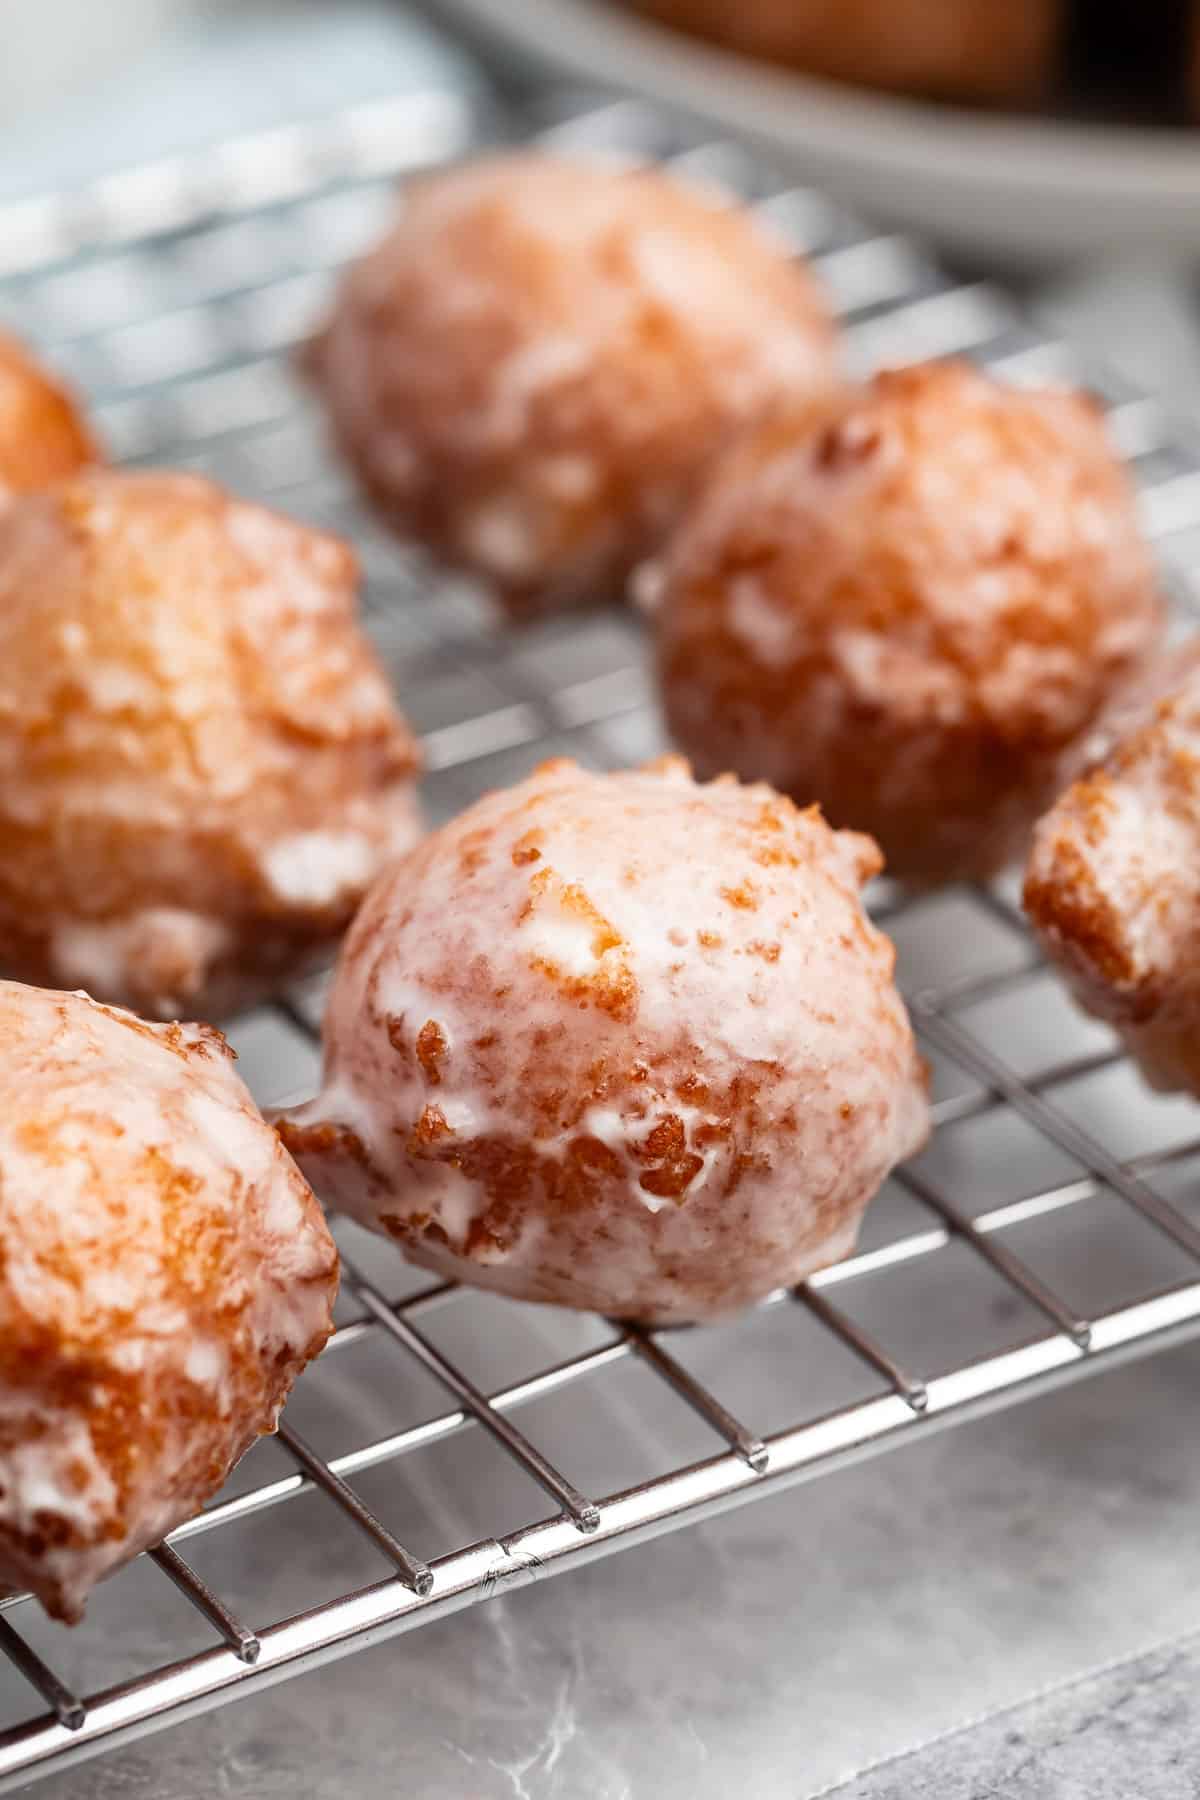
781, 1650
1130, 1731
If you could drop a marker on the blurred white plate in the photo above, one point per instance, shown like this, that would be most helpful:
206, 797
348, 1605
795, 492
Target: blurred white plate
996, 184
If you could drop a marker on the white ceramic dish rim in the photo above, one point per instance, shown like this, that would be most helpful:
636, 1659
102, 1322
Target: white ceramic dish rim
1025, 183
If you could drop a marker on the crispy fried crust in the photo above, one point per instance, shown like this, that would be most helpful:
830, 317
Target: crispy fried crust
990, 50
43, 434
1113, 883
619, 1042
908, 604
533, 368
165, 1273
201, 767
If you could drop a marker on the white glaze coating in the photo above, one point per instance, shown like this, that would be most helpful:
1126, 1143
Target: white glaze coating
164, 1275
618, 1041
1113, 882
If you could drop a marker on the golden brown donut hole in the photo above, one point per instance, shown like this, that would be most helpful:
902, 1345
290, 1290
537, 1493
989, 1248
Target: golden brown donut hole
908, 603
201, 766
43, 433
532, 370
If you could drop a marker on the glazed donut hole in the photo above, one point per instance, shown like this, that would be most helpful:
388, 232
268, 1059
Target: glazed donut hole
909, 603
533, 369
620, 1042
201, 764
165, 1274
1112, 886
43, 433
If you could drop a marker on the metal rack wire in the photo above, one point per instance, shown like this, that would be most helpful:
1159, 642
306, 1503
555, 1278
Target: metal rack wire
174, 295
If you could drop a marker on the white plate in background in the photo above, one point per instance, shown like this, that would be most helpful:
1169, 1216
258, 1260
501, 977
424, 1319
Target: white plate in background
996, 184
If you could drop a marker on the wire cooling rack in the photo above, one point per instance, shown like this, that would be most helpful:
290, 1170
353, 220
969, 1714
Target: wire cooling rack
448, 1445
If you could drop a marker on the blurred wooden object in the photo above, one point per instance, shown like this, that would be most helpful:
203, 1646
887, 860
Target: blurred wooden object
997, 51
